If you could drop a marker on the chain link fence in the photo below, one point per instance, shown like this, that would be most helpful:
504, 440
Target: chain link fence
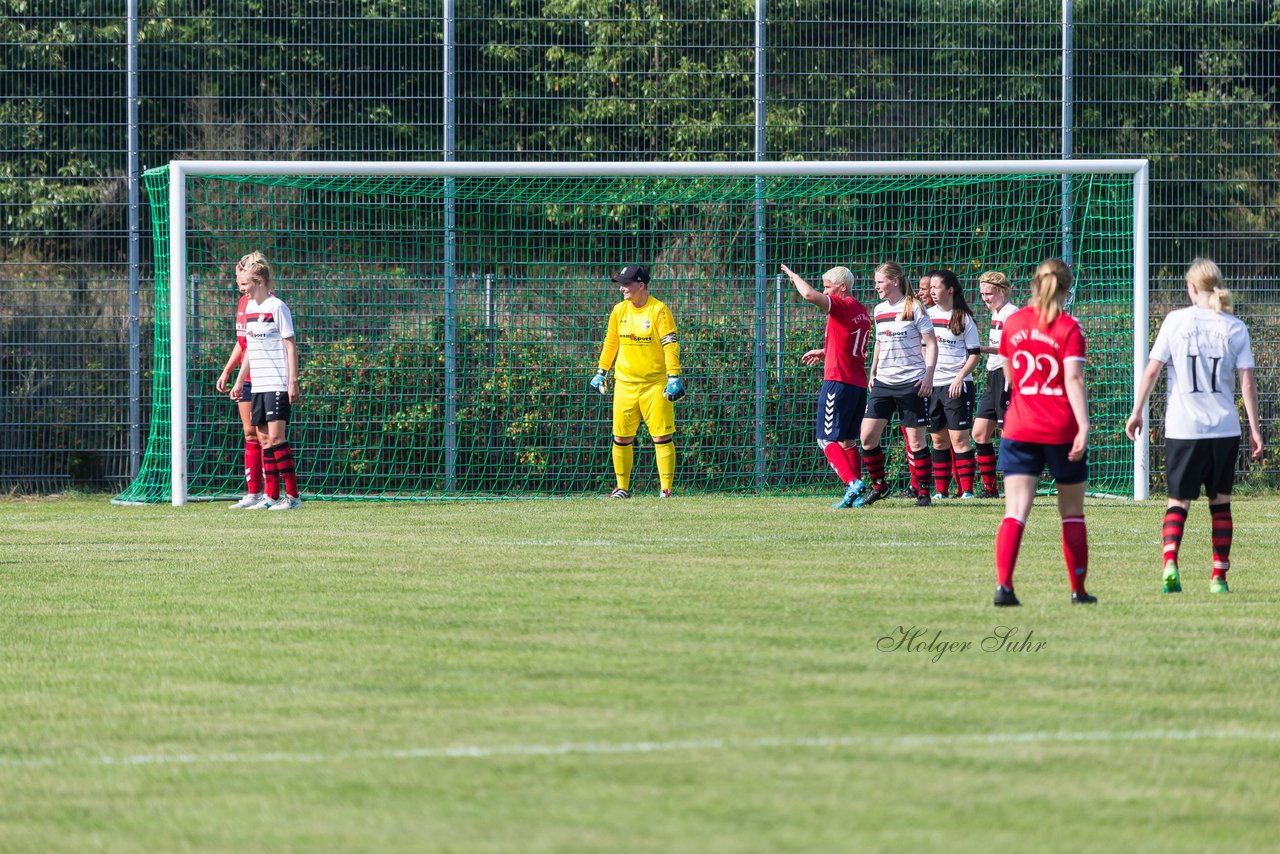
1191, 86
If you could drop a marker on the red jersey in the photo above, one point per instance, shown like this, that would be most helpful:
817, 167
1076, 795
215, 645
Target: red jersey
1039, 411
845, 350
242, 324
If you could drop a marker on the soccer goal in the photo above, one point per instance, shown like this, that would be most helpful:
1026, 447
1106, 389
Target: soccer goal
450, 314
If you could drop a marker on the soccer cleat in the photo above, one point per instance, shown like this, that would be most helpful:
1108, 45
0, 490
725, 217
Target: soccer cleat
286, 502
1083, 599
1218, 584
907, 493
938, 496
966, 496
1004, 597
878, 490
855, 489
265, 504
666, 493
924, 500
620, 493
1172, 581
987, 493
248, 501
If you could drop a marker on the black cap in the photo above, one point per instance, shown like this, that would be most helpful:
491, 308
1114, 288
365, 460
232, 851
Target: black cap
631, 274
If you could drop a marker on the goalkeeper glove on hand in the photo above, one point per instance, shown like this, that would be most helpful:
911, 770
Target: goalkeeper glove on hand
597, 382
674, 390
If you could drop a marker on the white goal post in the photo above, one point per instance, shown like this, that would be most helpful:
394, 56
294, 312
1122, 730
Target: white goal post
180, 170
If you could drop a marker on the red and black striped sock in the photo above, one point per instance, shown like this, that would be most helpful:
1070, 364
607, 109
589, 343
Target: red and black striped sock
875, 460
285, 468
941, 471
965, 463
922, 462
986, 456
269, 472
1175, 520
1222, 531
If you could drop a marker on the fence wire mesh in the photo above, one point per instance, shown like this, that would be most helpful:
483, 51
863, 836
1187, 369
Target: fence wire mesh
598, 80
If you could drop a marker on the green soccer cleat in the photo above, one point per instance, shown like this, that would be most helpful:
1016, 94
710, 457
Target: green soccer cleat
1172, 581
1218, 584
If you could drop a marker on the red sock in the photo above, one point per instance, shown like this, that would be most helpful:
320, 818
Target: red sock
1175, 520
1008, 542
269, 473
922, 462
253, 465
1075, 551
855, 460
986, 457
285, 468
941, 471
1222, 531
965, 464
874, 458
840, 462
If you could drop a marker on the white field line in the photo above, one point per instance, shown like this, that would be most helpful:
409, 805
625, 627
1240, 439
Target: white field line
903, 742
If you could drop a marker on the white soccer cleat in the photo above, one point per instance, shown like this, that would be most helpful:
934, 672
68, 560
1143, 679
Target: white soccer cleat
248, 501
284, 502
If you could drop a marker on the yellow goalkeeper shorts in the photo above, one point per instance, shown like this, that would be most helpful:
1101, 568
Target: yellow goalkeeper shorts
633, 401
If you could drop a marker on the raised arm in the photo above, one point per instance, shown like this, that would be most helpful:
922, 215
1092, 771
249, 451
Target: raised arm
809, 293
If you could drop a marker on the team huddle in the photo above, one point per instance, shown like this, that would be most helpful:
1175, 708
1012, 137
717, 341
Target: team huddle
925, 350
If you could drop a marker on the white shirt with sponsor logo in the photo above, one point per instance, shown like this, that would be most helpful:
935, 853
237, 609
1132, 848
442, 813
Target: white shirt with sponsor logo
1202, 349
952, 349
267, 324
995, 362
901, 359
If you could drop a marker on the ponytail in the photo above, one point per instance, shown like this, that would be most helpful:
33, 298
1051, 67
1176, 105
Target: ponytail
1205, 277
1050, 288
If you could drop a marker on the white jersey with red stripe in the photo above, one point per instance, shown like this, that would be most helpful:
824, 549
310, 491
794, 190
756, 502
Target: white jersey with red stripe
995, 361
900, 359
267, 324
953, 349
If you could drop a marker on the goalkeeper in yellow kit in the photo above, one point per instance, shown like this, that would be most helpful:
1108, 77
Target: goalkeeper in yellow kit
642, 338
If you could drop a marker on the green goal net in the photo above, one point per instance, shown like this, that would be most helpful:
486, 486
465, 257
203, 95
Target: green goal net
448, 326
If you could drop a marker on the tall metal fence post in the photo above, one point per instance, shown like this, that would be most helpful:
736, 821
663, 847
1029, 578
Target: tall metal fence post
1068, 100
450, 265
761, 363
131, 181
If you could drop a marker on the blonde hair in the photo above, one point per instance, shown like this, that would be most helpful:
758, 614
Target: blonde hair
994, 278
255, 264
841, 276
893, 271
1050, 288
1205, 277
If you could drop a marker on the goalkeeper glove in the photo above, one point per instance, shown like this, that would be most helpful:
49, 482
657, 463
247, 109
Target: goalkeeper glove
674, 390
597, 382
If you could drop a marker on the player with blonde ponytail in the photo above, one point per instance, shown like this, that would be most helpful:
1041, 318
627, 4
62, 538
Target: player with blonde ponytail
1203, 347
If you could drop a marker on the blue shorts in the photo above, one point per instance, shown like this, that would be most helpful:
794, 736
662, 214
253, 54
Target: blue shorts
840, 408
1031, 458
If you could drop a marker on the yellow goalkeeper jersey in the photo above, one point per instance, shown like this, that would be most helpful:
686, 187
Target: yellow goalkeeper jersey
643, 340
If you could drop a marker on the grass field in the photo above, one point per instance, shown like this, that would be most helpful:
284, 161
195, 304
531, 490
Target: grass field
704, 674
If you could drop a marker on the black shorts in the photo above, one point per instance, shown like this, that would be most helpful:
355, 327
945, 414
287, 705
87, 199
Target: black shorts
884, 400
269, 406
840, 408
995, 398
1032, 457
951, 413
1193, 463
